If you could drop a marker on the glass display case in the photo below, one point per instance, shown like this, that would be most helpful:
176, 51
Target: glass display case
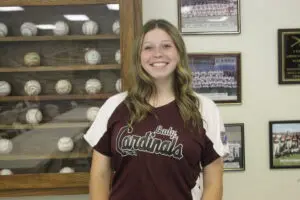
59, 61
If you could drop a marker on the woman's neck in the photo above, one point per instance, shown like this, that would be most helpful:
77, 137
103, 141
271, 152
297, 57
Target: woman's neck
164, 94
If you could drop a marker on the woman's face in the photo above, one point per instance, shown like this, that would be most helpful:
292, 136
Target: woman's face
159, 56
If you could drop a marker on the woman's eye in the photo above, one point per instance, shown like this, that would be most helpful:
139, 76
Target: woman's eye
166, 46
147, 47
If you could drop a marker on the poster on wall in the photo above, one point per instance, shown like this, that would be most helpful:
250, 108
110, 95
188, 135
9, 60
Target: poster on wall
235, 160
217, 76
284, 144
289, 56
209, 16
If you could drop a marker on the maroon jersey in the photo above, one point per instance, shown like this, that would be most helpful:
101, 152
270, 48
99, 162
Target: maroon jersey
158, 158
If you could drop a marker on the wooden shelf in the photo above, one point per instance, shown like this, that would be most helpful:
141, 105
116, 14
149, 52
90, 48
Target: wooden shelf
57, 155
60, 68
55, 2
58, 38
55, 97
44, 126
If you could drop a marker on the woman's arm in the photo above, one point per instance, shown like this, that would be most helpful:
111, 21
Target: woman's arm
100, 177
213, 180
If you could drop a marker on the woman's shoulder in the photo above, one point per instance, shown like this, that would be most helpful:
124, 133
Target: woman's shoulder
205, 102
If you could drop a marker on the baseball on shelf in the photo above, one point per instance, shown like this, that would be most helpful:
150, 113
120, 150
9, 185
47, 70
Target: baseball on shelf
28, 29
32, 87
92, 57
32, 59
65, 144
5, 88
63, 87
91, 113
5, 172
90, 28
66, 170
33, 116
61, 28
93, 86
3, 30
6, 146
118, 56
119, 85
116, 27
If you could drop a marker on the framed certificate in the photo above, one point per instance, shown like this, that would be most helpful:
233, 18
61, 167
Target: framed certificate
209, 16
289, 56
217, 76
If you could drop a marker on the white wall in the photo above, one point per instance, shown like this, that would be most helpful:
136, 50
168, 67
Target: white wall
263, 99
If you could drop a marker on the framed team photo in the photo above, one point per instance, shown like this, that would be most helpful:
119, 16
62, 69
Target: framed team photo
235, 161
209, 16
217, 76
284, 139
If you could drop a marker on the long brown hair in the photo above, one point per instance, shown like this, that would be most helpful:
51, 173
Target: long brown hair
142, 87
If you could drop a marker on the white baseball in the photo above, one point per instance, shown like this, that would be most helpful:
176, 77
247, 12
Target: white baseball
34, 116
63, 87
6, 172
92, 57
118, 56
66, 170
32, 87
90, 28
5, 88
93, 86
32, 59
3, 30
119, 85
91, 113
61, 28
6, 146
116, 27
28, 29
65, 144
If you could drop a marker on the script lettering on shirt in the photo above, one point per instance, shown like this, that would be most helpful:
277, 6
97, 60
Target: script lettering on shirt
130, 144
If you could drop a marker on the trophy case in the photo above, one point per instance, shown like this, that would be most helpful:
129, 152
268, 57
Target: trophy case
59, 61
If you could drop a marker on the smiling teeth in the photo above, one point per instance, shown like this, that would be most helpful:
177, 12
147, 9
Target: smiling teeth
159, 64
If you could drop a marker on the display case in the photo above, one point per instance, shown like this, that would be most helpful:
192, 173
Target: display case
59, 61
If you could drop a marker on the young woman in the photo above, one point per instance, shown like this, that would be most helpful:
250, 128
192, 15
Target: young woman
159, 135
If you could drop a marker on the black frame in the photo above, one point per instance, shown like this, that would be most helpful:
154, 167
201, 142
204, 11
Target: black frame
288, 56
284, 152
212, 91
240, 161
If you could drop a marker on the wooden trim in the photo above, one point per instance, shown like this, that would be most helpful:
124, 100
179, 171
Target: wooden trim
45, 126
131, 15
44, 192
55, 97
59, 38
43, 181
43, 157
61, 68
54, 2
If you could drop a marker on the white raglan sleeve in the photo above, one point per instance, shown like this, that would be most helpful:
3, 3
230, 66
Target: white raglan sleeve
99, 126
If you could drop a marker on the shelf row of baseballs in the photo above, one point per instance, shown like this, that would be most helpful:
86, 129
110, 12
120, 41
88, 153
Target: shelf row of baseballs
62, 87
91, 57
64, 144
60, 28
64, 170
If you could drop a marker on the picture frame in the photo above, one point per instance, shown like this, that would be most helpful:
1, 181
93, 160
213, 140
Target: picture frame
234, 137
217, 76
284, 144
288, 56
209, 17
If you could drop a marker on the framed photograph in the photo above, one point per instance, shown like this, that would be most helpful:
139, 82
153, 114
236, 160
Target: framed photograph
284, 140
234, 136
209, 16
217, 76
289, 56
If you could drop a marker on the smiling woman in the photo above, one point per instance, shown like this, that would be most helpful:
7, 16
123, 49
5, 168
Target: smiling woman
153, 136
